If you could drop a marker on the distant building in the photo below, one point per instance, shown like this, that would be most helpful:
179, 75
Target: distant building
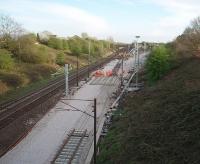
45, 35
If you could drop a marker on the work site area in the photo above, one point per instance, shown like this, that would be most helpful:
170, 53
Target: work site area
99, 82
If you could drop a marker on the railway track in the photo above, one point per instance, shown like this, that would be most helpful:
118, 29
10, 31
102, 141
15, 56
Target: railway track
72, 148
12, 110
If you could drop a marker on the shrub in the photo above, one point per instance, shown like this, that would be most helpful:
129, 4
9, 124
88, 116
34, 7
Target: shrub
51, 57
27, 39
8, 43
39, 71
33, 54
45, 70
6, 62
3, 88
74, 47
60, 59
56, 43
84, 48
65, 44
11, 79
158, 63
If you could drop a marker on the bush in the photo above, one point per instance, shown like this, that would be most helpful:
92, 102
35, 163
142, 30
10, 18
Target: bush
39, 71
8, 43
6, 62
33, 54
65, 44
56, 43
45, 70
27, 39
3, 88
11, 79
60, 60
51, 57
158, 63
75, 47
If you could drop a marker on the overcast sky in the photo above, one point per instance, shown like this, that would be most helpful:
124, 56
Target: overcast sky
154, 20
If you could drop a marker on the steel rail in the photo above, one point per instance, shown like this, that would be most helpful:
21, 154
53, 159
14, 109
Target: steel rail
9, 113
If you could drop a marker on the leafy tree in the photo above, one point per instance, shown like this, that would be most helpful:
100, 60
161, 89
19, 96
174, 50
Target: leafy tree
56, 43
34, 54
85, 47
65, 44
27, 39
80, 45
75, 47
97, 50
158, 63
22, 44
105, 44
6, 62
9, 43
60, 59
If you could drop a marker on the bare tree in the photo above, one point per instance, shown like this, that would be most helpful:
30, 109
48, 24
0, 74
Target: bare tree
189, 41
9, 27
195, 25
188, 31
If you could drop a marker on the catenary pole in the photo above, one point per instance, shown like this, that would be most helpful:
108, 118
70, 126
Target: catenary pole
66, 79
95, 130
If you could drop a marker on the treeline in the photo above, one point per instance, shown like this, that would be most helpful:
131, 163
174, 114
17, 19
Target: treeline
78, 45
27, 47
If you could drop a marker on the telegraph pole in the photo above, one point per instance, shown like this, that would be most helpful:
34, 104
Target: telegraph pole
77, 68
95, 131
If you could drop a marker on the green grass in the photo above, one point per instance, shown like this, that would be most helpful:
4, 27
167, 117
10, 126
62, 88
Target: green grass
160, 124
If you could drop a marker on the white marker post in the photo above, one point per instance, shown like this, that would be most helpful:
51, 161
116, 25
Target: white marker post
66, 79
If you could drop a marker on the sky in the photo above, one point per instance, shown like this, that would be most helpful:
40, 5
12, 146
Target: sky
153, 20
